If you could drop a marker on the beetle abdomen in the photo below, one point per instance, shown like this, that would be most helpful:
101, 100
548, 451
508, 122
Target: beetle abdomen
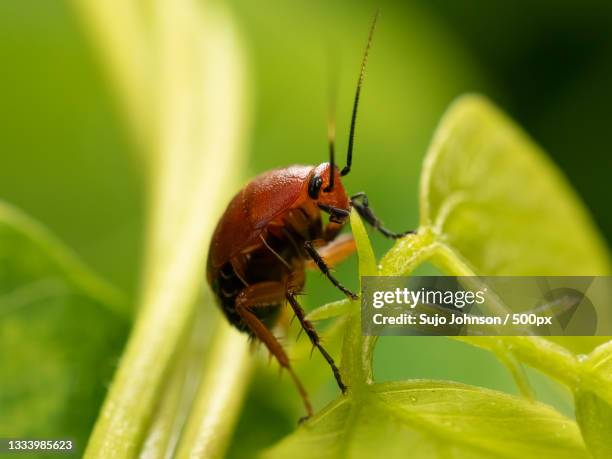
277, 257
227, 286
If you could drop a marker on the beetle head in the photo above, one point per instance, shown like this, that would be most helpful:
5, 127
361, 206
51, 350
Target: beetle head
319, 189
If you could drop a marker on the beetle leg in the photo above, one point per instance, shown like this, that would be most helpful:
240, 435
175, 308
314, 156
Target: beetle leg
274, 252
336, 214
320, 263
314, 337
364, 210
264, 294
335, 251
337, 219
239, 267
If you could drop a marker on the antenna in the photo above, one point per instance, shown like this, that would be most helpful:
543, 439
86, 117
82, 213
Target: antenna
331, 137
349, 153
332, 93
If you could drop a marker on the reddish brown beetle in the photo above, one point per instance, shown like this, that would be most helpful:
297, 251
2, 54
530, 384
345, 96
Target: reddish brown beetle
272, 230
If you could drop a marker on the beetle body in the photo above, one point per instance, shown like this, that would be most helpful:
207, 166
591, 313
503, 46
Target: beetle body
272, 230
261, 245
261, 236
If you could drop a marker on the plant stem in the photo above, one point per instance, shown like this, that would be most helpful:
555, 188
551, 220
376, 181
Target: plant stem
219, 398
193, 153
118, 29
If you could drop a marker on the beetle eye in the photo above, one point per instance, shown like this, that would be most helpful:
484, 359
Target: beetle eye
314, 187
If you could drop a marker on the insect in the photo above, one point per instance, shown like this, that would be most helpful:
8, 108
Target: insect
272, 230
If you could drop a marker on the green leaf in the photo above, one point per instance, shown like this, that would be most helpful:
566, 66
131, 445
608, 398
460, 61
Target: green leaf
356, 364
356, 367
408, 253
594, 416
499, 205
433, 419
492, 203
597, 372
61, 332
367, 261
594, 401
329, 310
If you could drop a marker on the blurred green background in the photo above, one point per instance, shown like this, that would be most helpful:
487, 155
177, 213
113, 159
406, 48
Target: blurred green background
67, 158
